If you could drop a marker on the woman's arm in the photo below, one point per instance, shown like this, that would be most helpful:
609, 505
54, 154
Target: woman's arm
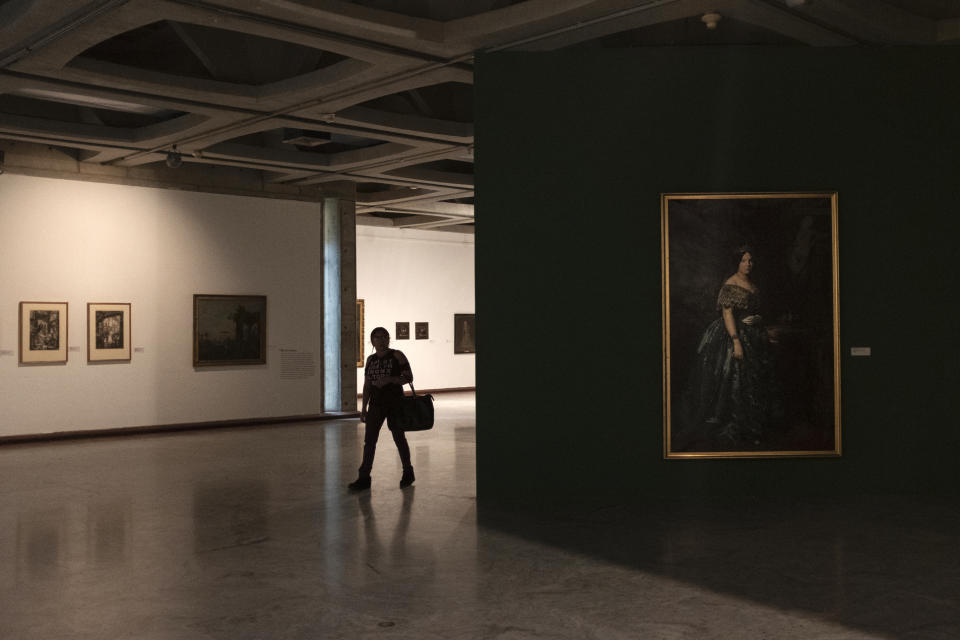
366, 399
406, 375
731, 326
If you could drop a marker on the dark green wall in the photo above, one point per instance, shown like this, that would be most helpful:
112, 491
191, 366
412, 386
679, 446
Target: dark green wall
573, 150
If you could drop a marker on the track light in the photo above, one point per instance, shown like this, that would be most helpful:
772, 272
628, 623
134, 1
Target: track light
711, 20
174, 159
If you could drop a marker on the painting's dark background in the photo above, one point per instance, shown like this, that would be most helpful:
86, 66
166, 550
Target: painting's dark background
230, 328
574, 149
790, 242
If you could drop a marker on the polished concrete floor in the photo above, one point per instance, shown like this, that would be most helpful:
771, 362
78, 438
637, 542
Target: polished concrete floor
249, 533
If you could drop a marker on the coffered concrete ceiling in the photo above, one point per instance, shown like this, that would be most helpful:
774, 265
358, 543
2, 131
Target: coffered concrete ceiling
296, 97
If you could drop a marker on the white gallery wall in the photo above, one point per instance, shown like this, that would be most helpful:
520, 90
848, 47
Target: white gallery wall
410, 275
80, 242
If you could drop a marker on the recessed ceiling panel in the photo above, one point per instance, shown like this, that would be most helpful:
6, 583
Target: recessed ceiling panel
65, 111
210, 53
442, 10
381, 187
392, 215
448, 166
309, 140
450, 101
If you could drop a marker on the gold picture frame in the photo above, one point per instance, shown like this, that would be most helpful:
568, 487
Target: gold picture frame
751, 339
43, 332
108, 332
360, 339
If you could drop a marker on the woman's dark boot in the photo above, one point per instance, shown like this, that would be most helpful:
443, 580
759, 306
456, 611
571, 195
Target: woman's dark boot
407, 479
360, 484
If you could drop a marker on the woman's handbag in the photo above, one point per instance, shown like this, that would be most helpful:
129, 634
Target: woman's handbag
416, 412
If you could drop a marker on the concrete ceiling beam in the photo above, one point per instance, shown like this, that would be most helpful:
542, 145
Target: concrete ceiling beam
516, 22
432, 128
872, 21
426, 221
356, 21
453, 209
27, 26
386, 84
434, 176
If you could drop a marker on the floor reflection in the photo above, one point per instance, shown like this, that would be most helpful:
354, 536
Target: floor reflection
230, 514
41, 541
373, 547
242, 534
108, 531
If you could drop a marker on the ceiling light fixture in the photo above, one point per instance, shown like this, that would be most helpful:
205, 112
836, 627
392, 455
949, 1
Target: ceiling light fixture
174, 159
711, 20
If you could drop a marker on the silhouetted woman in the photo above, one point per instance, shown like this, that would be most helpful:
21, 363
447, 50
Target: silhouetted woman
386, 372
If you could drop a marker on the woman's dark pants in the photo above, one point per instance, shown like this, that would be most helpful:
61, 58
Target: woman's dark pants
375, 417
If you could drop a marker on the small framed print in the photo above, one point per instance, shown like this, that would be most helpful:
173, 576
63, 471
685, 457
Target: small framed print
229, 330
423, 330
464, 333
108, 332
403, 331
43, 332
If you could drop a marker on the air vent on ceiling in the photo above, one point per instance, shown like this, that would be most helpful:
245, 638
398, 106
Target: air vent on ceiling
302, 138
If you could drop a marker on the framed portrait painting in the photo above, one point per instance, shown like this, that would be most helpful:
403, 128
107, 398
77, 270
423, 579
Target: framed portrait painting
43, 332
750, 325
464, 333
229, 330
108, 332
403, 331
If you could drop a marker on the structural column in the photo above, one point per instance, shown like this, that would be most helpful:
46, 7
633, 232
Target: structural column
339, 303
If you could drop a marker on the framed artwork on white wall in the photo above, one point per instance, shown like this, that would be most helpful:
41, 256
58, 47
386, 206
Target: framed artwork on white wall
229, 330
43, 332
422, 330
108, 332
360, 338
464, 333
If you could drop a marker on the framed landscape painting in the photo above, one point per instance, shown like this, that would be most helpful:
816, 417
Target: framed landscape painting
43, 332
229, 330
750, 325
361, 339
464, 333
108, 332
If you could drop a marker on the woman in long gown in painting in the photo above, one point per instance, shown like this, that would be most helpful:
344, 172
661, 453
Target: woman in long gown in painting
732, 395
